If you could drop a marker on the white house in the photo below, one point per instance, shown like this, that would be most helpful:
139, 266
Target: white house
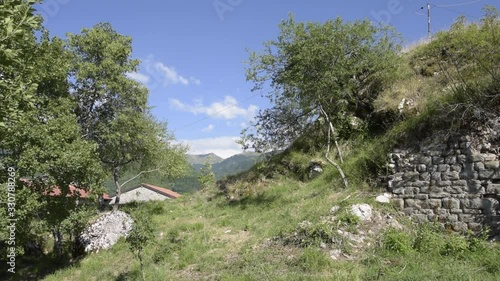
146, 192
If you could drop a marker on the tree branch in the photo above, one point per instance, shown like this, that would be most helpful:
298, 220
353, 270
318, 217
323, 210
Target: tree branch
337, 166
136, 176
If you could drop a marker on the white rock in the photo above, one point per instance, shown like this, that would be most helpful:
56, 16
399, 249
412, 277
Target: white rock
334, 210
106, 231
384, 198
362, 211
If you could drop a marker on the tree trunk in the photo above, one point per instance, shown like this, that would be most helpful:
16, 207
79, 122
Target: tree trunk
139, 255
118, 188
56, 233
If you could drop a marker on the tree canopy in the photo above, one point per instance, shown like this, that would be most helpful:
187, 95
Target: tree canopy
335, 69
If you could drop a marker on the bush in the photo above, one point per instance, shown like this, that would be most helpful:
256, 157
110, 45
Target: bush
397, 241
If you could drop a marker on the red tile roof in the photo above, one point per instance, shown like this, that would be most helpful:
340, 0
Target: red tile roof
56, 191
162, 190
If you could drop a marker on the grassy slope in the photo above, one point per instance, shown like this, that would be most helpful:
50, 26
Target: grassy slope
218, 240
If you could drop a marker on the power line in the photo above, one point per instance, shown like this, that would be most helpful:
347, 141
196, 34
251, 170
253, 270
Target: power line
455, 11
458, 4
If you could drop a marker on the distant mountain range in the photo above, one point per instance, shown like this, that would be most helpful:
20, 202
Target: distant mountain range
202, 158
225, 167
221, 168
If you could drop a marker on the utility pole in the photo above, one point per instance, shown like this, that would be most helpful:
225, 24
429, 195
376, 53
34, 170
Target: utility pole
429, 20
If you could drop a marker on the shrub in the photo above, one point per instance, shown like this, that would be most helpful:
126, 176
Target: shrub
397, 241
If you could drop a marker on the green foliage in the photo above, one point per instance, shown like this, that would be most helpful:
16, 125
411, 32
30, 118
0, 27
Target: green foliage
140, 236
397, 241
112, 109
207, 177
17, 47
313, 260
337, 66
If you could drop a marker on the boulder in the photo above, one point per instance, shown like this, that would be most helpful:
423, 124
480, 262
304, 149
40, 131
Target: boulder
362, 211
106, 231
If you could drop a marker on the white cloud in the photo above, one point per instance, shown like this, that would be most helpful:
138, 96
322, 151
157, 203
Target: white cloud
194, 80
139, 77
209, 128
165, 74
226, 109
170, 75
223, 146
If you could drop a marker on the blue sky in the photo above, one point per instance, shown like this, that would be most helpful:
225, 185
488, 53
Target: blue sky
192, 51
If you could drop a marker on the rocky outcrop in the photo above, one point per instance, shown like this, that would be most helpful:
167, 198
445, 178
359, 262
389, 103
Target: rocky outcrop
106, 231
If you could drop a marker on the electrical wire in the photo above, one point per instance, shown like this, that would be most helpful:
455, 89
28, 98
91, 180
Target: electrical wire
456, 5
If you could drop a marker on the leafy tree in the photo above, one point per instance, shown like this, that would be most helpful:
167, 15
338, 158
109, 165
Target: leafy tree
39, 135
329, 72
112, 108
17, 46
207, 176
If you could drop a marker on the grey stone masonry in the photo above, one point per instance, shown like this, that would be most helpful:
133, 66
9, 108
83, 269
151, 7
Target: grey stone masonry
453, 180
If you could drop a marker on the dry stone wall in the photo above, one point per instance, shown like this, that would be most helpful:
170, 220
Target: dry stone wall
454, 180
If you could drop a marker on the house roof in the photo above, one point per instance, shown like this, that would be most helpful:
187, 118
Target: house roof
165, 191
73, 190
56, 191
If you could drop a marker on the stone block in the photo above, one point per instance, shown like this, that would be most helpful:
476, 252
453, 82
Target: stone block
442, 212
434, 153
408, 211
459, 183
436, 176
486, 174
476, 203
461, 159
492, 188
443, 168
427, 212
450, 176
475, 227
478, 166
475, 187
421, 196
489, 157
476, 157
432, 204
456, 211
425, 189
467, 218
438, 195
442, 183
491, 165
456, 167
412, 203
436, 160
458, 226
425, 160
425, 176
419, 183
420, 218
411, 176
451, 203
450, 160
398, 203
421, 168
453, 189
472, 211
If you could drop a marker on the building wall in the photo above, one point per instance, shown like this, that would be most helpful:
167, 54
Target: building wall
451, 180
141, 194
